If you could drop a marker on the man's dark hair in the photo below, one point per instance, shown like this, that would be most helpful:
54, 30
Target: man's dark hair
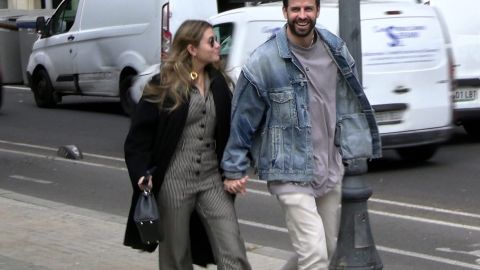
285, 3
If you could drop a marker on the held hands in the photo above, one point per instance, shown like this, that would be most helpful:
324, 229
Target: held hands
231, 185
236, 185
148, 185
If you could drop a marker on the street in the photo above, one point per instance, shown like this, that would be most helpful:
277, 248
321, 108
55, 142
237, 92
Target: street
423, 216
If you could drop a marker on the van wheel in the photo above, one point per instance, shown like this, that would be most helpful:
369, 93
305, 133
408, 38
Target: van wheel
473, 129
417, 153
43, 90
128, 104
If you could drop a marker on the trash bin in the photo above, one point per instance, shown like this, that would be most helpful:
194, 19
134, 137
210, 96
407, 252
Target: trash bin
9, 50
27, 35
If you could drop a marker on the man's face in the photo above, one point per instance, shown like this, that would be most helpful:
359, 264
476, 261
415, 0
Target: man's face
301, 16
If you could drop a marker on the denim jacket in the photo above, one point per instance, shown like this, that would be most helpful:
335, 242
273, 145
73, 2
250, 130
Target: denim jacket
271, 124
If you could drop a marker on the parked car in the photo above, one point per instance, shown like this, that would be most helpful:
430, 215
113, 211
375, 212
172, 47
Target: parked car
463, 23
407, 65
90, 48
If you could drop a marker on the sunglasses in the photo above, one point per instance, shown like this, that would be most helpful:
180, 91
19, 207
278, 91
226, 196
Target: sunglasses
212, 41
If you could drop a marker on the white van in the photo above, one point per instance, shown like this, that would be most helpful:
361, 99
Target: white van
407, 71
96, 47
463, 22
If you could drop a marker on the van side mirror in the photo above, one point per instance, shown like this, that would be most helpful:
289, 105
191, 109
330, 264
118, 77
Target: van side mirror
41, 26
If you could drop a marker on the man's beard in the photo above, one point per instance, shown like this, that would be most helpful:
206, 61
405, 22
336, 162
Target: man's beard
292, 27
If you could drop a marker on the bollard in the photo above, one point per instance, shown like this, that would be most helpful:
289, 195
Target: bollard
355, 246
70, 152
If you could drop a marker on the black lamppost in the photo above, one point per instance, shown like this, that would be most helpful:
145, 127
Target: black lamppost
355, 246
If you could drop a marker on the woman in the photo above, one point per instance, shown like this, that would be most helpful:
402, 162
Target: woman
181, 126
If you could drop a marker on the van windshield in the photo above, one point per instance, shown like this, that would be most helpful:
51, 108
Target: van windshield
224, 34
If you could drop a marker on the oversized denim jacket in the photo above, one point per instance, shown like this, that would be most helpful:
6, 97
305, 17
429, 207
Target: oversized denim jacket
271, 124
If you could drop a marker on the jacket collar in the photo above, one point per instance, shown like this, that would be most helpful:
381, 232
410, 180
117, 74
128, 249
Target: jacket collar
282, 43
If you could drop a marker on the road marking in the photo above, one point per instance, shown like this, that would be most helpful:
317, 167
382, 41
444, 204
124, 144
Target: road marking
427, 208
257, 181
13, 87
30, 179
63, 159
475, 253
412, 218
263, 226
381, 248
263, 193
55, 150
428, 257
401, 204
259, 192
425, 220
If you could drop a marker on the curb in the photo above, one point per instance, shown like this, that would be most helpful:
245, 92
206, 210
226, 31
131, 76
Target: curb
46, 235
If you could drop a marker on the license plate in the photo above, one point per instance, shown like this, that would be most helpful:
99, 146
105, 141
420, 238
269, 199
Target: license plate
388, 117
465, 95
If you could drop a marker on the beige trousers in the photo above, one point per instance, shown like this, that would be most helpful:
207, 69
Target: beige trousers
313, 225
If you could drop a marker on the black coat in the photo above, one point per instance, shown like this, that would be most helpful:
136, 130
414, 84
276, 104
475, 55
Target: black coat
152, 140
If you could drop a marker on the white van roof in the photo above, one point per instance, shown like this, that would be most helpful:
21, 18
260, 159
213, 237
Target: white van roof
273, 11
180, 10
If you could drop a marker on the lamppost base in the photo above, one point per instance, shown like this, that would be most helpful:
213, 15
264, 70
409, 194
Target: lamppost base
355, 246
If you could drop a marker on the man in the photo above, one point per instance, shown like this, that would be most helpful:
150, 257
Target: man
300, 113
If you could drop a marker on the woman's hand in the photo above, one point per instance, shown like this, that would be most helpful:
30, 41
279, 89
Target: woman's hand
149, 184
236, 185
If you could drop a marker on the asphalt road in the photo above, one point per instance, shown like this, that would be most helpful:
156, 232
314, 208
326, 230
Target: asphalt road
423, 216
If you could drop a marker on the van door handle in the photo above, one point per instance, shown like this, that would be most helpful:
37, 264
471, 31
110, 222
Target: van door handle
401, 90
70, 38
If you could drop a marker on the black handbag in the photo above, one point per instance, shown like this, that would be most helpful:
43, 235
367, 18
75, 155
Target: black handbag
146, 218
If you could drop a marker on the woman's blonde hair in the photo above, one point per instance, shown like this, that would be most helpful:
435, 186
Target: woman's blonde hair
174, 82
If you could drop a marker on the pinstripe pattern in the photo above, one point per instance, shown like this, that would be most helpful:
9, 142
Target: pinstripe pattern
194, 165
193, 182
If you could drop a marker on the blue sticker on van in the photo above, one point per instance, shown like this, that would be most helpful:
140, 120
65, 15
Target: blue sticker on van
397, 33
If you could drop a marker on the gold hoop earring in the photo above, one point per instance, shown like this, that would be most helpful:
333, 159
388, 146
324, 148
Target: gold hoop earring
193, 75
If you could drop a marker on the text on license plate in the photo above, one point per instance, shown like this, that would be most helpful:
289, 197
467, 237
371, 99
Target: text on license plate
465, 94
388, 117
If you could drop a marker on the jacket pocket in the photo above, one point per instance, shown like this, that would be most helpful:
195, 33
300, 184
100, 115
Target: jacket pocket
353, 136
284, 113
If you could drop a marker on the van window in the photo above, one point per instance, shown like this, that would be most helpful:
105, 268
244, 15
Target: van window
224, 33
63, 19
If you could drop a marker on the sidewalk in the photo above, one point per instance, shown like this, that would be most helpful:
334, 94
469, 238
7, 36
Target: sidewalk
37, 234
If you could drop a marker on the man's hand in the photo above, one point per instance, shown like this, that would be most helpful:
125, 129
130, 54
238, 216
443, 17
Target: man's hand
236, 185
